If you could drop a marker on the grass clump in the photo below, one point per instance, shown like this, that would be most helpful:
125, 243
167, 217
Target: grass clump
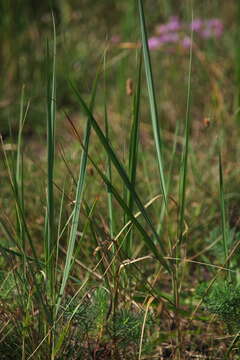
107, 228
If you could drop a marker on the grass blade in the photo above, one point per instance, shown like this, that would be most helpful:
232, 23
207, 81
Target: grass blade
133, 150
50, 248
109, 166
152, 98
223, 211
184, 165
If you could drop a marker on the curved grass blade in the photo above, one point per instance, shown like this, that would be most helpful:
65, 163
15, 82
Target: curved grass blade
152, 98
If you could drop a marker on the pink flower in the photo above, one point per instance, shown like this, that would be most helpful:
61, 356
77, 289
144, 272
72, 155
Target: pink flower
186, 42
157, 41
215, 26
169, 38
174, 31
196, 24
154, 42
173, 25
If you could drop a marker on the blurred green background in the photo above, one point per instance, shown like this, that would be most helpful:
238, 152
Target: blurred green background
84, 29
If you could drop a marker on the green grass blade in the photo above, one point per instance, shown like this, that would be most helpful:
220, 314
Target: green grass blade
50, 240
223, 210
184, 165
152, 98
109, 166
133, 150
60, 222
134, 136
18, 173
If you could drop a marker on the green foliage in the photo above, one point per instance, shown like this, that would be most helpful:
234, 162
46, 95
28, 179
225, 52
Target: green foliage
224, 301
91, 315
126, 326
89, 312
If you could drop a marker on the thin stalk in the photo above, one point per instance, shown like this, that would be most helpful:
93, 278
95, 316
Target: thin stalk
182, 201
152, 98
19, 168
50, 241
109, 165
225, 232
133, 151
59, 232
184, 167
19, 179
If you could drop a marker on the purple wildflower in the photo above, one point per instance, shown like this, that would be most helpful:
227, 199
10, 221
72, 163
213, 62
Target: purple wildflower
173, 25
169, 38
214, 23
186, 42
196, 25
206, 33
154, 42
173, 32
215, 26
208, 28
157, 41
